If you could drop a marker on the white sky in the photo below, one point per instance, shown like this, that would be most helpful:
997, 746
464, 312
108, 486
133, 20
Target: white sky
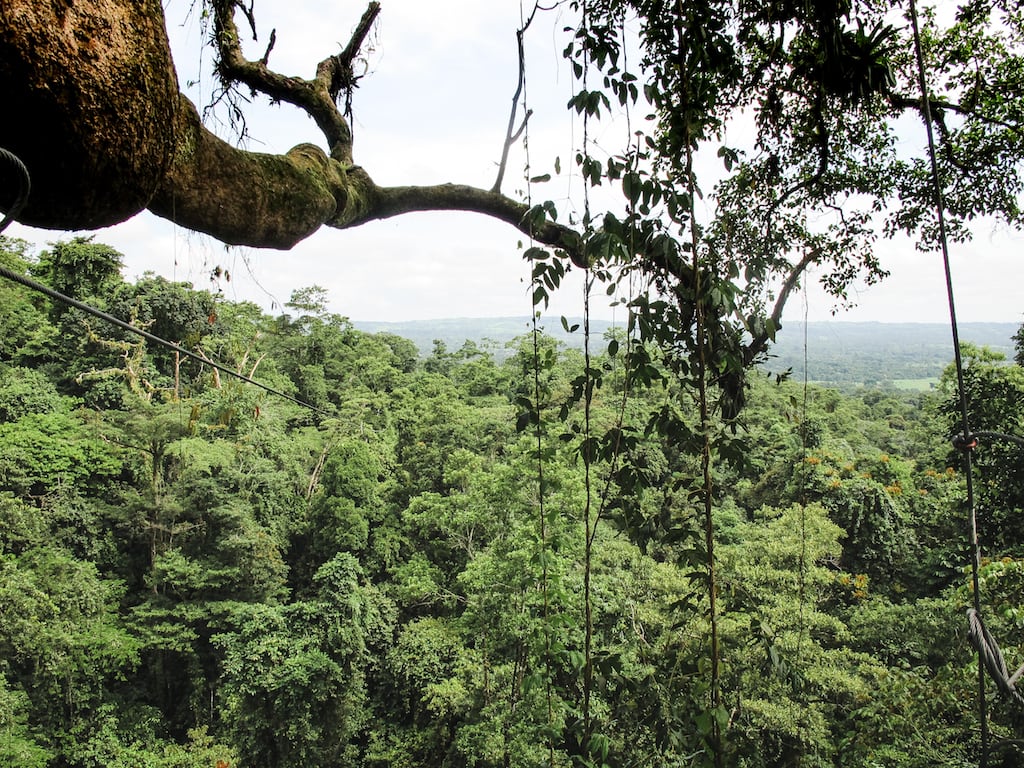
432, 109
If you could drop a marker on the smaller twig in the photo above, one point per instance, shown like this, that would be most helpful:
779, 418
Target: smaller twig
270, 47
362, 29
522, 125
758, 344
252, 371
511, 134
250, 16
338, 69
216, 372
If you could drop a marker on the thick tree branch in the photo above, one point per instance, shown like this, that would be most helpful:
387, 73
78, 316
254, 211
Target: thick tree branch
113, 135
394, 201
250, 198
274, 201
791, 282
759, 343
942, 105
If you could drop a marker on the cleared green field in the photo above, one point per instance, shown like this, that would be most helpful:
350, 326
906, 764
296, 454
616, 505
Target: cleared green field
916, 385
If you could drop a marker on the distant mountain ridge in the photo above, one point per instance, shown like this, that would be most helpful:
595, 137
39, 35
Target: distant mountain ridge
837, 352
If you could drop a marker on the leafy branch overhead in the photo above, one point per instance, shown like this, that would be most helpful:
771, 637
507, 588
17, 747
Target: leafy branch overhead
819, 89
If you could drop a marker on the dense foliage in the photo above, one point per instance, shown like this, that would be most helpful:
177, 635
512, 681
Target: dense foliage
198, 574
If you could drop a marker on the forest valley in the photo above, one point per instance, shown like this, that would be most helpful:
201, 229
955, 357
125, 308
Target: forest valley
198, 574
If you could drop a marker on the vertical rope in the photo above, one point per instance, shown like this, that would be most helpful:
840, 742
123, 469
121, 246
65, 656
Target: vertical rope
588, 386
940, 207
705, 466
542, 521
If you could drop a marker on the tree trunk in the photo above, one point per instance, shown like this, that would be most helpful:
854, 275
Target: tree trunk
88, 90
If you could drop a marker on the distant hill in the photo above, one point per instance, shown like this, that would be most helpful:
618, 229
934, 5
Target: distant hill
837, 352
876, 353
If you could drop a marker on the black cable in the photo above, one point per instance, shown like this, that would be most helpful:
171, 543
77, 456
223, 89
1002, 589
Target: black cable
940, 206
992, 657
46, 290
21, 197
12, 162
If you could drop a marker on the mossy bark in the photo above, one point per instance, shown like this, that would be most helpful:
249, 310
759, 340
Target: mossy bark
248, 198
87, 90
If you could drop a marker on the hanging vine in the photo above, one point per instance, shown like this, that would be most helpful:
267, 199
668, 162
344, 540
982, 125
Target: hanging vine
586, 447
533, 412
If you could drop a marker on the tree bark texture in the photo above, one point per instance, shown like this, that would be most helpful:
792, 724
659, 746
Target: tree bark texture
88, 89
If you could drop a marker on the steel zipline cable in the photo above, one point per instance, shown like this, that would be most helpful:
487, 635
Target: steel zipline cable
990, 657
11, 161
47, 291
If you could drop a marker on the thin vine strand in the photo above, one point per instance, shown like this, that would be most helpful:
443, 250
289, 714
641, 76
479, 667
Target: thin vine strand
802, 564
588, 531
705, 463
538, 424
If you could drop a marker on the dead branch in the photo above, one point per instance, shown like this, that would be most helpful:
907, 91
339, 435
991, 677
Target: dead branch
213, 366
314, 477
511, 134
316, 97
